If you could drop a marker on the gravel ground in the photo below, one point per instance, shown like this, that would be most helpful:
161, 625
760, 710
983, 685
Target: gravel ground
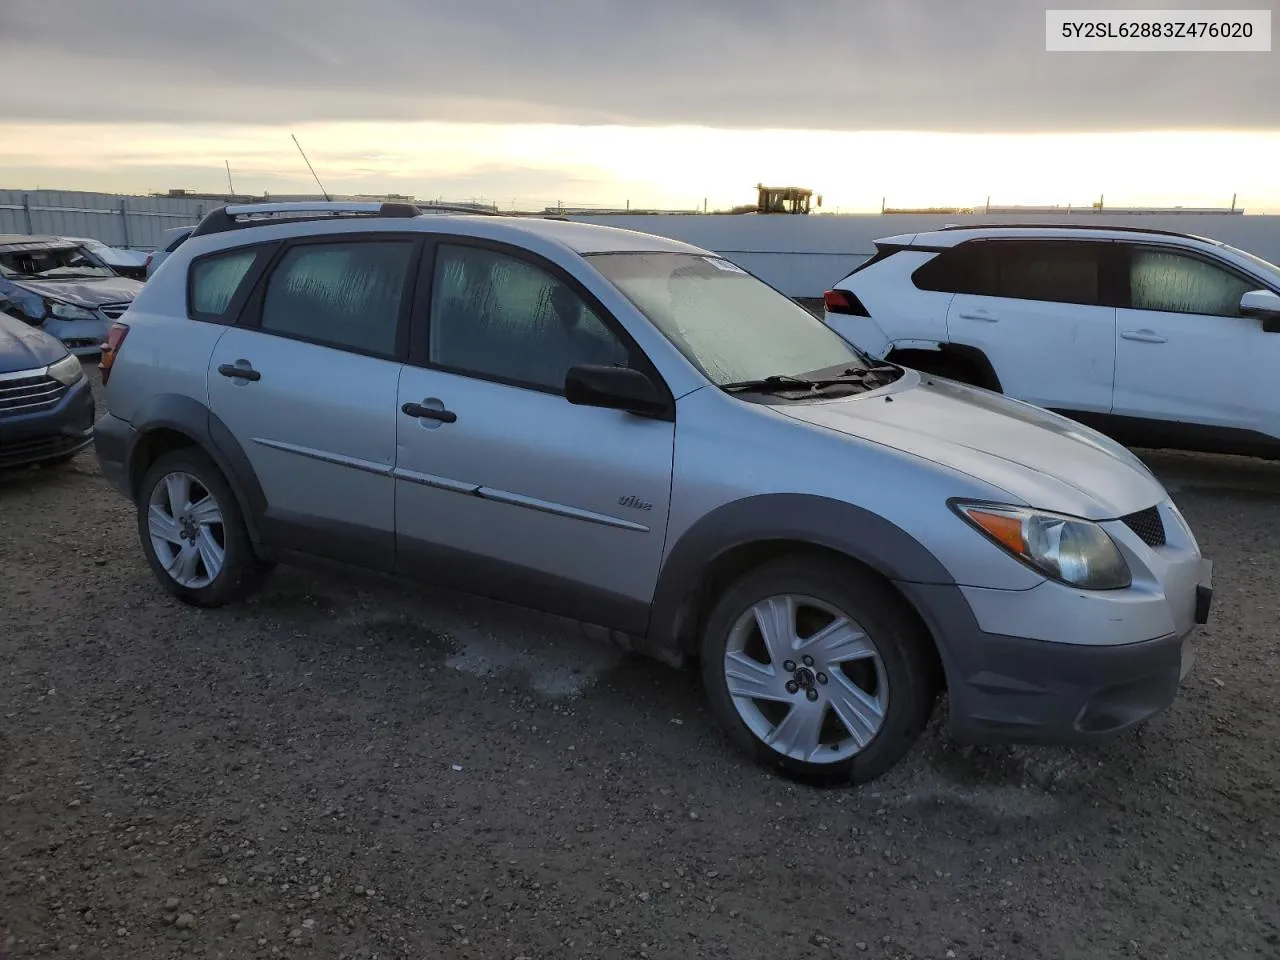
347, 768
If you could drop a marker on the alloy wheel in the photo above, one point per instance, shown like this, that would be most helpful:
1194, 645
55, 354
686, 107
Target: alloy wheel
806, 678
185, 525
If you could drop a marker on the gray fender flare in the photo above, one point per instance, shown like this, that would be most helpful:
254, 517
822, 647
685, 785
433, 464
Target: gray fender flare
801, 518
192, 418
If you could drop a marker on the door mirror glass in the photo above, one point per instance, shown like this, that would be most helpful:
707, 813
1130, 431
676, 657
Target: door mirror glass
617, 388
1264, 304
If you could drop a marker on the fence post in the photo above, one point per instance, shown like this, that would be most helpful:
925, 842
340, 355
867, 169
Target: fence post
26, 210
124, 220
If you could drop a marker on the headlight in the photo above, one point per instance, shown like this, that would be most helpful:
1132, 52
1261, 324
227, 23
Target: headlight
69, 311
1068, 549
67, 370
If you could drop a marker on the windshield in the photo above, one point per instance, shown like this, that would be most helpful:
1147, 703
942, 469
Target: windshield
1266, 268
730, 325
58, 263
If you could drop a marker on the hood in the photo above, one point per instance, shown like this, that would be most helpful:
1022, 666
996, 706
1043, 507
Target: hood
24, 347
1042, 459
85, 292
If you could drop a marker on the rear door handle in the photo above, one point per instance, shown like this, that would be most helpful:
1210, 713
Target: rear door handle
240, 371
1144, 336
980, 316
418, 411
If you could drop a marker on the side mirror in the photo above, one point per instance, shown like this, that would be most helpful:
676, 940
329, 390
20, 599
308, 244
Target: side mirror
616, 388
1265, 305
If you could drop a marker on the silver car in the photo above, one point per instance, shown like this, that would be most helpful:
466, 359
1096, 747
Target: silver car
637, 434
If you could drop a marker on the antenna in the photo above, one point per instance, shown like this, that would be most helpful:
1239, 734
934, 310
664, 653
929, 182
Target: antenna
230, 185
311, 168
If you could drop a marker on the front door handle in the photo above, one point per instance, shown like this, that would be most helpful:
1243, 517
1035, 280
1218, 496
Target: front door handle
419, 411
239, 371
1144, 336
980, 316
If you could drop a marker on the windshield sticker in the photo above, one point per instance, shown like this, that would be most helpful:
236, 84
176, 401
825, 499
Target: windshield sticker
724, 265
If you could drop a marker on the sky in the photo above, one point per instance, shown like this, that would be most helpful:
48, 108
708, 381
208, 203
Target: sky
667, 103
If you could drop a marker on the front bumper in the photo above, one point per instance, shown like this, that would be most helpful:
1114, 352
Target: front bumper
49, 434
1005, 689
82, 337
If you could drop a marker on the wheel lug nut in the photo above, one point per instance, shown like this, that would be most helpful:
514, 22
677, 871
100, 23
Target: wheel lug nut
822, 678
811, 693
792, 686
808, 661
789, 666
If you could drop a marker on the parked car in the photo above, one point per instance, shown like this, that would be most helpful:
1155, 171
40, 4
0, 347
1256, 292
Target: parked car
172, 239
46, 402
1158, 339
127, 263
57, 285
637, 434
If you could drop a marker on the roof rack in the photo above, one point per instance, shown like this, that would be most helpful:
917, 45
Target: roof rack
1059, 226
237, 216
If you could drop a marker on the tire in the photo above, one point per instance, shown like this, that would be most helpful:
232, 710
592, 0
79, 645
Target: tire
890, 662
240, 572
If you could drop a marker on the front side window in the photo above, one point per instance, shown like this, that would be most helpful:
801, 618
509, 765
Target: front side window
341, 294
1176, 283
501, 317
730, 325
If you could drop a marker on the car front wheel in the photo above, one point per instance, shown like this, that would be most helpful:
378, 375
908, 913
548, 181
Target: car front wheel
817, 670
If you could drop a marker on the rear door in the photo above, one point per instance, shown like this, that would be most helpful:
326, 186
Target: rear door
1184, 353
307, 385
1039, 311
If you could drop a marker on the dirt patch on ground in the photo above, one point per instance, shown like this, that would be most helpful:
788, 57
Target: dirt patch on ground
346, 768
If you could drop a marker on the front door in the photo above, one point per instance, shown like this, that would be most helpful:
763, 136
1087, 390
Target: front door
1185, 357
503, 487
308, 388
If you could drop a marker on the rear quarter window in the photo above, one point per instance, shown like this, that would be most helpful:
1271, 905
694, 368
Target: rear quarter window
217, 284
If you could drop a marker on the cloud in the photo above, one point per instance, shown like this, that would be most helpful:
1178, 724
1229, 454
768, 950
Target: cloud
944, 65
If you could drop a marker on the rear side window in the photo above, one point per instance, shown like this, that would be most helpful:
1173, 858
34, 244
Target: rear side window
1175, 283
1052, 271
215, 280
1056, 272
346, 295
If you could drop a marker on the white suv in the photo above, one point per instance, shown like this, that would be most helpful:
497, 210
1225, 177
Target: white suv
1158, 339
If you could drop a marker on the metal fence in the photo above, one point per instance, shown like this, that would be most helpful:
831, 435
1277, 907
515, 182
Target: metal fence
134, 222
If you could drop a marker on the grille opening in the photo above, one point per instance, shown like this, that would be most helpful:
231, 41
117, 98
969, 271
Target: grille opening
24, 395
1148, 525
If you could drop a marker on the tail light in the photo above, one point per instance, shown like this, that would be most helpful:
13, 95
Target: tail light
110, 349
842, 301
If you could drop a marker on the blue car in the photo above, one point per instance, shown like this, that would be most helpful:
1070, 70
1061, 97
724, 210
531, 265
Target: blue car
46, 401
63, 288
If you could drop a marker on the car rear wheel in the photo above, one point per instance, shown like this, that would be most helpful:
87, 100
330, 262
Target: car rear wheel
816, 670
193, 533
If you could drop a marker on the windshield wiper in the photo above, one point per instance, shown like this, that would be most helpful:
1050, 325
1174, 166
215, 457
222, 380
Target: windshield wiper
775, 382
855, 375
783, 383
